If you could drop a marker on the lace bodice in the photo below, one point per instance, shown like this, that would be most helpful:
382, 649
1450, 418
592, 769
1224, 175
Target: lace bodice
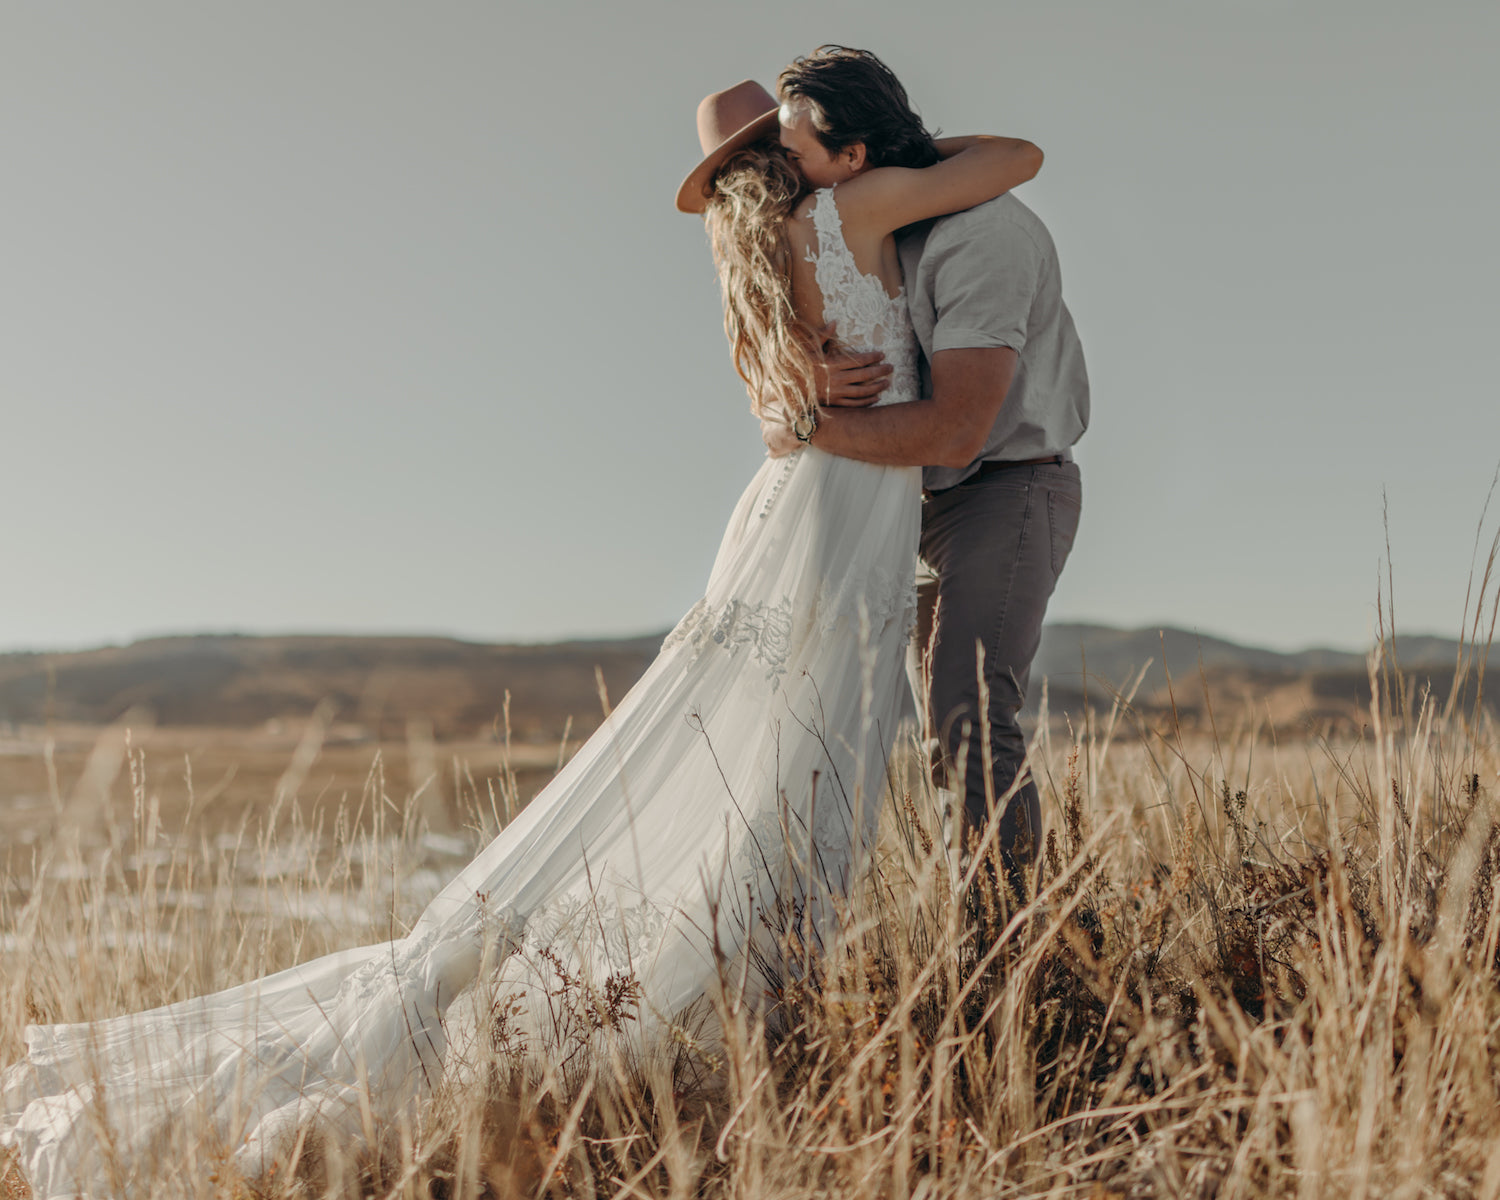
867, 318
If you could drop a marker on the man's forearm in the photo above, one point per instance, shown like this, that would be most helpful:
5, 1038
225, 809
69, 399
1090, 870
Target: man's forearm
911, 434
950, 430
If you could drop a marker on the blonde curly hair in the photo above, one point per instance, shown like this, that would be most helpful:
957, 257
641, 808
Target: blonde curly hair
754, 193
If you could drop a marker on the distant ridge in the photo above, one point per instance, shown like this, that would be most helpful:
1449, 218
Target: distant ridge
459, 688
1116, 654
1178, 669
379, 682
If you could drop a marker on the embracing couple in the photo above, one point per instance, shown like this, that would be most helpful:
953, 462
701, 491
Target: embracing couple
885, 236
742, 777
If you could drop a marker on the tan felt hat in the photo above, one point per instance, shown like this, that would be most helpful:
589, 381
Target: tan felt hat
727, 120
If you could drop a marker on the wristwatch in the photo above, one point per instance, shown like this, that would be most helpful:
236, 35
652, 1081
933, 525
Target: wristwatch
804, 425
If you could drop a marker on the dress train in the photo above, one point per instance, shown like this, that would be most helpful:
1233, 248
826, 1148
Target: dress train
748, 759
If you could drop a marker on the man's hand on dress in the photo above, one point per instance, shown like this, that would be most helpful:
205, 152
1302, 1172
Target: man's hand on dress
849, 380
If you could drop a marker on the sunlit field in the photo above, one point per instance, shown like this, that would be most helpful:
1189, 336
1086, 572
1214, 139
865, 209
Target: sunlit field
1257, 965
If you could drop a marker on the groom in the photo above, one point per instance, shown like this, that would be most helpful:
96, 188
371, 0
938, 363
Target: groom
1005, 398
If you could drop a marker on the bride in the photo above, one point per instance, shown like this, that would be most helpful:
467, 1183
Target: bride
744, 770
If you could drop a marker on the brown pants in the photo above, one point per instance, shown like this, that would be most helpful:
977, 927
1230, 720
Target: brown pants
994, 548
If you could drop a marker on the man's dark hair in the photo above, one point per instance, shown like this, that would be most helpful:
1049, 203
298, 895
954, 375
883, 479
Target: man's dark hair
854, 97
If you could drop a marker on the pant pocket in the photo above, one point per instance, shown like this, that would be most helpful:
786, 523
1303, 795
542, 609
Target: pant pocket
1063, 509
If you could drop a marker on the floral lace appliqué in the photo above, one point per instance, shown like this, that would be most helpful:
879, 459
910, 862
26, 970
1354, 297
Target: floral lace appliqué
880, 598
584, 928
768, 631
764, 630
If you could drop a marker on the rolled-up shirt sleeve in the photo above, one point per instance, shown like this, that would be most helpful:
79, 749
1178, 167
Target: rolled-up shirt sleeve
983, 289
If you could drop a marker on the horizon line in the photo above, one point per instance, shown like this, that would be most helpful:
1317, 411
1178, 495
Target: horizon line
572, 639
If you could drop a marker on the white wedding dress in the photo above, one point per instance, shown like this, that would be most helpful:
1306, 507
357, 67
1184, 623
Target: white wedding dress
748, 759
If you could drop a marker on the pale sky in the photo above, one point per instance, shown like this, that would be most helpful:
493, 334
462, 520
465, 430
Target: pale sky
377, 317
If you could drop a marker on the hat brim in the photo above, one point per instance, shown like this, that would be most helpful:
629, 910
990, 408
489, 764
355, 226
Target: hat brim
692, 196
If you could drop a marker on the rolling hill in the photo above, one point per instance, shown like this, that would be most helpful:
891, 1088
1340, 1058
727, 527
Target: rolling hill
380, 684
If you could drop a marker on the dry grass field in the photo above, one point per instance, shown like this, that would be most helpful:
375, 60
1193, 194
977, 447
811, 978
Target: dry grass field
1258, 965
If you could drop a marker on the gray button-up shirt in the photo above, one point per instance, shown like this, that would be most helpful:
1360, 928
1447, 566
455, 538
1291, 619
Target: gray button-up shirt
987, 278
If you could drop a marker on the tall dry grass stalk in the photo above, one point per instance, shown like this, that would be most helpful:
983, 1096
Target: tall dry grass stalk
1251, 968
